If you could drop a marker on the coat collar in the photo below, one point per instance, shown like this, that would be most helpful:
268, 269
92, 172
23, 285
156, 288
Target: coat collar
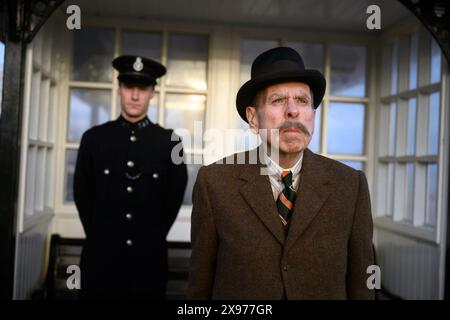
311, 195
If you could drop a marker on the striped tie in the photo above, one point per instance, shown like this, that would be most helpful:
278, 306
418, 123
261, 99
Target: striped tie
286, 199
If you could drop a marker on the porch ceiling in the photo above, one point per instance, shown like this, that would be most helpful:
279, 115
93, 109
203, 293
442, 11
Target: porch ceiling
337, 15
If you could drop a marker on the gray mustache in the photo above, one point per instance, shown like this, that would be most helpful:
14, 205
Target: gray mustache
295, 124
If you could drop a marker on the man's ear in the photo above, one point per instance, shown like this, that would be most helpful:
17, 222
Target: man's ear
252, 118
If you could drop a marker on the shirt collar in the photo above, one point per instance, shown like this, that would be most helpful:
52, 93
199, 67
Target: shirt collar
275, 169
133, 125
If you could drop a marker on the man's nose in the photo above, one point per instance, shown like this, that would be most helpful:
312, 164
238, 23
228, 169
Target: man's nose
292, 109
135, 94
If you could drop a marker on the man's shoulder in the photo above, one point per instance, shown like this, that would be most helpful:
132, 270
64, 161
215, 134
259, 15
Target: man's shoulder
98, 130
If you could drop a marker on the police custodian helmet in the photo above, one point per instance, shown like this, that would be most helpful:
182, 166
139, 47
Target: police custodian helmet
138, 70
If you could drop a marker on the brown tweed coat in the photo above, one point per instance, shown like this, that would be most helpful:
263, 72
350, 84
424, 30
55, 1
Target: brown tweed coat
239, 246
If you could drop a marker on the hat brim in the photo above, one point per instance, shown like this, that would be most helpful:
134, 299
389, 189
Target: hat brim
136, 78
313, 78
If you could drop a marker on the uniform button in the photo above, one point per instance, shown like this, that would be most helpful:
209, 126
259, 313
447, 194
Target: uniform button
129, 243
285, 268
128, 216
155, 176
129, 189
106, 171
133, 138
130, 164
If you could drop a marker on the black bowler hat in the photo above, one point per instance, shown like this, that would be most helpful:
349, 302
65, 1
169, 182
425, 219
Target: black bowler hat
138, 70
279, 65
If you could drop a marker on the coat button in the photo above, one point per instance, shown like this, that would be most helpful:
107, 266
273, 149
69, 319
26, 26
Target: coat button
128, 216
106, 171
129, 243
129, 189
130, 164
133, 139
285, 268
155, 176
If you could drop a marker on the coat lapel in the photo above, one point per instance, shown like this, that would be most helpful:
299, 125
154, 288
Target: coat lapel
258, 194
311, 195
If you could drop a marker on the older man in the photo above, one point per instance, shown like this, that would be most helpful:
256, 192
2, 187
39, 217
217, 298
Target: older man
302, 228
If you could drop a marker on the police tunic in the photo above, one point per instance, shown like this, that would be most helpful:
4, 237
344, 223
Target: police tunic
128, 191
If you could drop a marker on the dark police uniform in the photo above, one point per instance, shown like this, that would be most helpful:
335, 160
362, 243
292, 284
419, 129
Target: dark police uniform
128, 192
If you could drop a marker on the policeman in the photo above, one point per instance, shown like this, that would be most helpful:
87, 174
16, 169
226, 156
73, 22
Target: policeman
128, 187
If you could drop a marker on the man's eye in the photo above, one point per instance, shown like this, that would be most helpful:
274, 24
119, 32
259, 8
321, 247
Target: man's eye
279, 100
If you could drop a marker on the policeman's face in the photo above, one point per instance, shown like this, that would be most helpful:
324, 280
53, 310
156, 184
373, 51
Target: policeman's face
286, 108
135, 99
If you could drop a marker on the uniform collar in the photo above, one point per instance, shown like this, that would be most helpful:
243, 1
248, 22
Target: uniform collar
133, 125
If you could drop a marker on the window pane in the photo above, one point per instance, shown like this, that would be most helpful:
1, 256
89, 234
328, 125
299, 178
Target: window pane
314, 145
187, 61
192, 170
413, 61
435, 73
409, 214
432, 185
312, 54
69, 171
411, 126
346, 128
392, 128
143, 44
348, 71
92, 54
394, 68
250, 49
152, 112
358, 165
30, 188
186, 111
88, 107
433, 124
391, 189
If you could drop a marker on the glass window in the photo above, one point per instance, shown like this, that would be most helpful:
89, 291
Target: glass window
250, 49
411, 126
314, 145
346, 128
433, 124
435, 74
143, 44
30, 188
186, 111
187, 61
348, 71
358, 165
88, 107
392, 128
413, 52
92, 54
152, 112
312, 54
409, 214
432, 188
394, 68
71, 160
391, 189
